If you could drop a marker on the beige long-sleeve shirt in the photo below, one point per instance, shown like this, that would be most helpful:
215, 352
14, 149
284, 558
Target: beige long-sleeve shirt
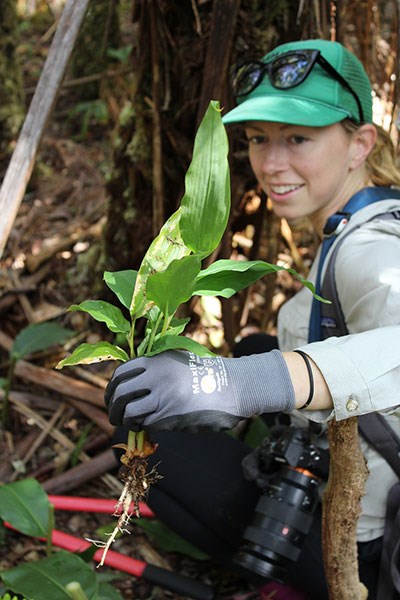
362, 369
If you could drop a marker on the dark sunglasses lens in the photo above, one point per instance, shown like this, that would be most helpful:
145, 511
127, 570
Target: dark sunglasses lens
246, 78
289, 71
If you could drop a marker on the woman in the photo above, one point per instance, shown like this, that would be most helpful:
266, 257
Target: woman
306, 110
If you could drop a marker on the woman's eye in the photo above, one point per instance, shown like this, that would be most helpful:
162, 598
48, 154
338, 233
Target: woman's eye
298, 139
256, 139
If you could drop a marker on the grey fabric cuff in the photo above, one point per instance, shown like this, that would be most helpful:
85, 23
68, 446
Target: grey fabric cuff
262, 383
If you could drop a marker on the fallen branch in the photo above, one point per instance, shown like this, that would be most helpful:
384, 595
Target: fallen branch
55, 244
64, 385
73, 478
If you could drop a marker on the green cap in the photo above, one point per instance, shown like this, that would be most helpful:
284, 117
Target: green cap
319, 100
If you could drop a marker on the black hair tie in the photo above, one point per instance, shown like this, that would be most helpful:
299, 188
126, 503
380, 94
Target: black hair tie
311, 378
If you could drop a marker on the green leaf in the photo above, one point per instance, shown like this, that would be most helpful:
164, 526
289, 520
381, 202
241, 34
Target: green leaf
105, 313
122, 283
177, 326
121, 54
165, 248
47, 578
179, 342
37, 337
107, 592
167, 539
87, 354
206, 203
25, 505
226, 277
170, 288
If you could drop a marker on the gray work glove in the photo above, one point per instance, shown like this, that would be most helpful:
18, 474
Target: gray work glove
183, 392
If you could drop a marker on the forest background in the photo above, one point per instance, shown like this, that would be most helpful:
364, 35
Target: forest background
109, 171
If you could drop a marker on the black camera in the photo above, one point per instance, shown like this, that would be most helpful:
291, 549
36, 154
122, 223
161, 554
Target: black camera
294, 468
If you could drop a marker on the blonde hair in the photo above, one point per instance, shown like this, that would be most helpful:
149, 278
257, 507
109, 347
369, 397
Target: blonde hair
381, 163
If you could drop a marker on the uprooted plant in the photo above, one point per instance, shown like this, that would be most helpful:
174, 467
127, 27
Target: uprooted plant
169, 275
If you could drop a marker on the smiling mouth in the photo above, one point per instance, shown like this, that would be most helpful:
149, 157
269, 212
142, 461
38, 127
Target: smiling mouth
284, 189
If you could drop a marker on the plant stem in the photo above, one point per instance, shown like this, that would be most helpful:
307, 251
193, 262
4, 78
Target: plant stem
132, 440
49, 546
166, 323
140, 440
75, 591
136, 441
154, 330
131, 339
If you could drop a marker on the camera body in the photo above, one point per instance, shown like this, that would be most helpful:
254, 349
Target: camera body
284, 513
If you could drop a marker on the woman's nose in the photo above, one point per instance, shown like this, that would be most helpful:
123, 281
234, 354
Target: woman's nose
274, 160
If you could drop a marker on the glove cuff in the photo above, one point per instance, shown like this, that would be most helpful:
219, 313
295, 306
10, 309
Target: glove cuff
262, 383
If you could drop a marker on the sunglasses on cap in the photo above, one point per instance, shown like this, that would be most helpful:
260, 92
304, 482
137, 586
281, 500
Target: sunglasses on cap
285, 71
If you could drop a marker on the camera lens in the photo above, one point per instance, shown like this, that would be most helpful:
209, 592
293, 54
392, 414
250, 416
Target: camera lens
283, 517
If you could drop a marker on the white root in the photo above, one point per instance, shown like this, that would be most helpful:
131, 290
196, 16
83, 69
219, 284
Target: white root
127, 504
124, 513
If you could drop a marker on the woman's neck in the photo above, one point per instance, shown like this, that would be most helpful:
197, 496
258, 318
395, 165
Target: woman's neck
319, 219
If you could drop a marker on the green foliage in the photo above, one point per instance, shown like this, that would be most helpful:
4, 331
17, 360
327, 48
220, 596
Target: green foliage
122, 55
33, 338
162, 288
37, 337
175, 255
226, 277
48, 578
122, 283
106, 313
26, 507
25, 504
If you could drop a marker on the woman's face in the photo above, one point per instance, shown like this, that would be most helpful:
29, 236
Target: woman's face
305, 171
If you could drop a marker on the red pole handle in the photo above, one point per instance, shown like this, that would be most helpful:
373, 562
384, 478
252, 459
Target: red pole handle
95, 505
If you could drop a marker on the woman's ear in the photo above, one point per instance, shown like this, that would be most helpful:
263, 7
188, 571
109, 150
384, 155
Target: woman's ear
364, 139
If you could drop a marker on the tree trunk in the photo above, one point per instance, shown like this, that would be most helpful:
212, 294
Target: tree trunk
341, 508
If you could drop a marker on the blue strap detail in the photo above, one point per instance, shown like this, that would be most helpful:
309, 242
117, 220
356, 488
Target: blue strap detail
334, 225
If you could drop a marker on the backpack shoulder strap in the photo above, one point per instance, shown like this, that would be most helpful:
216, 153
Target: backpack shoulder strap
378, 433
332, 319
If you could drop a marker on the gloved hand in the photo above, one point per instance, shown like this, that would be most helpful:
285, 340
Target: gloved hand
183, 392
